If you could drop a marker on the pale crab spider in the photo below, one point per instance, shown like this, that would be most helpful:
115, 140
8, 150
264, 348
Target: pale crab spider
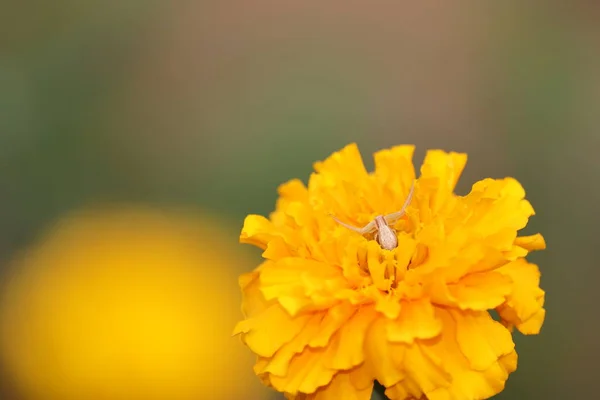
384, 234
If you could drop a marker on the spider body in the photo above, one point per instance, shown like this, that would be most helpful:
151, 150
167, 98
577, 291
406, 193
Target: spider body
380, 225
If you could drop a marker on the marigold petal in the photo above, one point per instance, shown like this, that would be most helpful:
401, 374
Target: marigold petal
260, 232
524, 305
387, 305
279, 363
425, 368
496, 204
404, 256
533, 325
297, 282
303, 217
307, 371
293, 190
341, 186
283, 276
531, 243
477, 385
341, 387
474, 291
383, 359
441, 170
444, 370
256, 231
261, 338
277, 248
253, 302
480, 291
335, 317
395, 161
405, 389
352, 335
395, 172
448, 167
361, 377
345, 164
481, 339
417, 320
347, 332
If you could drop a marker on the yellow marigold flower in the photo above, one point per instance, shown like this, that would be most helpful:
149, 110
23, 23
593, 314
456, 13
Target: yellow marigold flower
329, 310
118, 303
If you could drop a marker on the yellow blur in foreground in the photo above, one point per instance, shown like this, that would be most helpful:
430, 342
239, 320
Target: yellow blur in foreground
124, 305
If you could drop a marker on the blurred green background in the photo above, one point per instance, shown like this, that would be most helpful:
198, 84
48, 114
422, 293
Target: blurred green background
212, 104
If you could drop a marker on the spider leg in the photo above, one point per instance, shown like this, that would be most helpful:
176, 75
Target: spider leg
362, 231
395, 216
370, 227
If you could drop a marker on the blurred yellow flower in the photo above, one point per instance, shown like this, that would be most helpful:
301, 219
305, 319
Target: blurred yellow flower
329, 310
127, 304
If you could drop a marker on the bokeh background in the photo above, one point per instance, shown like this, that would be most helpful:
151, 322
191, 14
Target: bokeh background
209, 105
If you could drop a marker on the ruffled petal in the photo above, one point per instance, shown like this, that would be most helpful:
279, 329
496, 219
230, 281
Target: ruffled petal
338, 186
312, 363
292, 191
383, 359
307, 372
531, 243
524, 305
299, 283
343, 386
261, 232
523, 245
481, 339
405, 389
496, 206
478, 291
352, 336
257, 334
439, 174
471, 360
327, 342
254, 302
395, 173
345, 165
417, 320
